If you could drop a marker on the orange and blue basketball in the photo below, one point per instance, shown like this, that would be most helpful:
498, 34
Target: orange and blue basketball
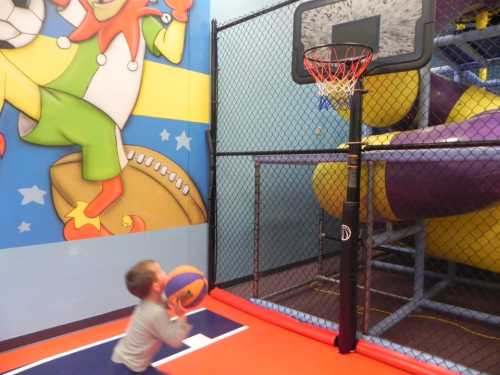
186, 284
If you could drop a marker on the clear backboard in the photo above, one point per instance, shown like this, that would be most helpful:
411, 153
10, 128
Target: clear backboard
400, 32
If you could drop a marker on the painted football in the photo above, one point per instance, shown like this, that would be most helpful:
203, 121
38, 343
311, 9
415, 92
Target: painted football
156, 189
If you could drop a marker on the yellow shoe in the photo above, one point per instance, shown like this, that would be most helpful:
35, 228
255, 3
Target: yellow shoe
81, 219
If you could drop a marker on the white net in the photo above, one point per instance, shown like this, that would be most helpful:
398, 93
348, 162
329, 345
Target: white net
336, 70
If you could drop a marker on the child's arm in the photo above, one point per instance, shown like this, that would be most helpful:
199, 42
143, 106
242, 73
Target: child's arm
171, 332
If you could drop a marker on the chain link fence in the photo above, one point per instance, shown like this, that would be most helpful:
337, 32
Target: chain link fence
429, 266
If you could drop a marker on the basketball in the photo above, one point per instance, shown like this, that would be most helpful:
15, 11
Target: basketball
188, 284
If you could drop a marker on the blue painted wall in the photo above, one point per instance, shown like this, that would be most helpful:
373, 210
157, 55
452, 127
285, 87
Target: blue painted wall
46, 281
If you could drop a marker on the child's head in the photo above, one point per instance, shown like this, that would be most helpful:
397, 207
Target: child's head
146, 279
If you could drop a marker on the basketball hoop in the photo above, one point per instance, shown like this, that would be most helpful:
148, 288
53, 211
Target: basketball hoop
336, 68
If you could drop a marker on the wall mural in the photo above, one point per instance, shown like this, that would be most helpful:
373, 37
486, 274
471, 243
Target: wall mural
103, 114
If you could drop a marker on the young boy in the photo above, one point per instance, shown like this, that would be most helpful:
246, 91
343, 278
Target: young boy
150, 324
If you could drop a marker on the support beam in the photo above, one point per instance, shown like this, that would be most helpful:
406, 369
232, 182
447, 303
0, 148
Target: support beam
381, 238
469, 36
467, 48
406, 310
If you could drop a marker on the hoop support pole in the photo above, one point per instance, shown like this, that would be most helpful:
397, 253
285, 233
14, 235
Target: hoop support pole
346, 341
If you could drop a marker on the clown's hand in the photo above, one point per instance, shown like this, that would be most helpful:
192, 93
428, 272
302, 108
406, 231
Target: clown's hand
180, 9
61, 3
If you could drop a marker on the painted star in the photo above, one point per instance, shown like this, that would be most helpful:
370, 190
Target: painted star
165, 135
24, 227
32, 194
183, 141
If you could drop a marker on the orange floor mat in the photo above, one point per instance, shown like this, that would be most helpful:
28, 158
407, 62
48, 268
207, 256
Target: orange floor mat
263, 349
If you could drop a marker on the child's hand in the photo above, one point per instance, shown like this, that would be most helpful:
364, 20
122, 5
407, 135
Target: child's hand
175, 308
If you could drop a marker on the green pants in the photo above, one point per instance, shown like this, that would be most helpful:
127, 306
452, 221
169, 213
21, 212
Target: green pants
67, 120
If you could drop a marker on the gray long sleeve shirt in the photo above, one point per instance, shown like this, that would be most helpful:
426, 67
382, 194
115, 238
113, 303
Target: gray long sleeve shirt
149, 327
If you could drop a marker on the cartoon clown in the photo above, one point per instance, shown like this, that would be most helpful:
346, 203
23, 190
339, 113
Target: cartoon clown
90, 102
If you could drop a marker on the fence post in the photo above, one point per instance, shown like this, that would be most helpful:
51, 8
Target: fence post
212, 146
350, 231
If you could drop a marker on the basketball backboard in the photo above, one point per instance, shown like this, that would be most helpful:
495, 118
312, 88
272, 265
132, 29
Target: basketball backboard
400, 32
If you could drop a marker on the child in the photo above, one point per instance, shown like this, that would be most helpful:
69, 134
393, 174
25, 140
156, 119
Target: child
150, 324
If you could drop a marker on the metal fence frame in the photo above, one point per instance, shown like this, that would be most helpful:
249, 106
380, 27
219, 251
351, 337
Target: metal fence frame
371, 240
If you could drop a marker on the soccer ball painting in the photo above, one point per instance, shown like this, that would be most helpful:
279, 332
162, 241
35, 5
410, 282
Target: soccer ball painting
20, 22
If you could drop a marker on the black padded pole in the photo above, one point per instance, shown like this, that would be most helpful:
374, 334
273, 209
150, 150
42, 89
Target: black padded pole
350, 231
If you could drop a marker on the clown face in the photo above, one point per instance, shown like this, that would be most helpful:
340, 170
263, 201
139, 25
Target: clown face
106, 9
